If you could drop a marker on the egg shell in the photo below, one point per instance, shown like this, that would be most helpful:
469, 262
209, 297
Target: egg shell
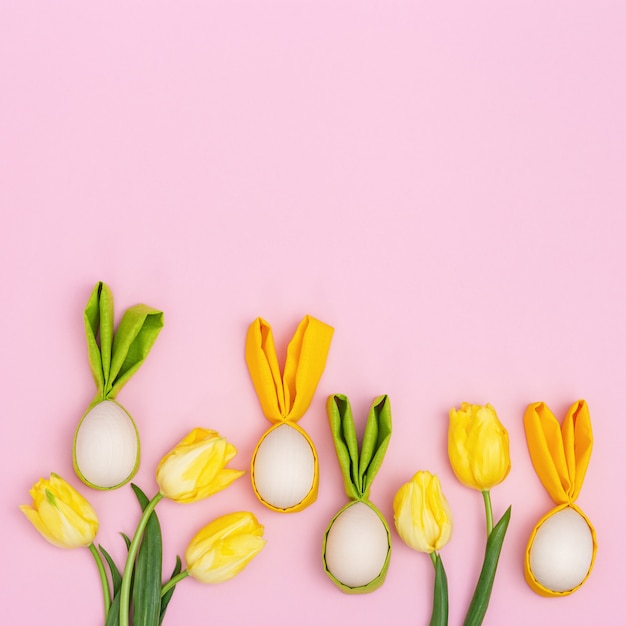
284, 468
106, 446
561, 550
357, 546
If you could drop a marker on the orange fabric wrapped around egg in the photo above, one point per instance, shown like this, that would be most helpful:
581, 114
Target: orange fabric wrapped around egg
284, 467
562, 547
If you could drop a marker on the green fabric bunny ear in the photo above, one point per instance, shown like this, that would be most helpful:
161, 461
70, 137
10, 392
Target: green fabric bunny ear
106, 443
356, 548
117, 356
359, 469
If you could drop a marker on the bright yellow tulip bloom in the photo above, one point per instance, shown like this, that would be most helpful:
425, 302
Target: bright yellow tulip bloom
422, 514
478, 446
196, 467
61, 514
224, 547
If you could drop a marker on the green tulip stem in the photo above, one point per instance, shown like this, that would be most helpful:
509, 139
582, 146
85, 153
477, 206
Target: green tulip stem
488, 511
130, 560
106, 593
439, 615
173, 582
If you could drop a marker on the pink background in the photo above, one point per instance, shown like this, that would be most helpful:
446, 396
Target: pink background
441, 182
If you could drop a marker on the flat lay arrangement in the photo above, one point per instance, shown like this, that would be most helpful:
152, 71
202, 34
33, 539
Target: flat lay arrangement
357, 544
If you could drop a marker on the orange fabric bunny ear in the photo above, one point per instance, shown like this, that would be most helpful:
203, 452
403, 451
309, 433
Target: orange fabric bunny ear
285, 465
560, 454
286, 398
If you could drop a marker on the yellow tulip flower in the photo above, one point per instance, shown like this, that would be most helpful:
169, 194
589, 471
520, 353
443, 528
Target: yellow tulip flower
422, 514
478, 446
224, 547
196, 467
61, 514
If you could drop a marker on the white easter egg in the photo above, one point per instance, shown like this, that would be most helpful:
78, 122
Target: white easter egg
356, 546
106, 446
284, 467
562, 550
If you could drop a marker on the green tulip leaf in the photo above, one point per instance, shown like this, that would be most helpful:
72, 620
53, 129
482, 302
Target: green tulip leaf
116, 577
127, 540
439, 615
167, 596
147, 587
113, 619
482, 593
115, 356
359, 467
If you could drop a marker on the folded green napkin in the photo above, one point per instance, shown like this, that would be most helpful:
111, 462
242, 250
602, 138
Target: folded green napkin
357, 543
106, 443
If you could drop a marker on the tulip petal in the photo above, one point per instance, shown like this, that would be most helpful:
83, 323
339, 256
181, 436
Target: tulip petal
60, 514
478, 446
422, 515
195, 468
224, 547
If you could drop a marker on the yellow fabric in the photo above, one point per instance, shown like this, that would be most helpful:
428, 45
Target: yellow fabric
61, 514
535, 585
311, 495
285, 398
560, 454
224, 547
478, 446
196, 467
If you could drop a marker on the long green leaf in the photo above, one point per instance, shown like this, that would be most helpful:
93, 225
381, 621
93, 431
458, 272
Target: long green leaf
480, 600
114, 612
116, 577
126, 540
439, 615
165, 600
113, 618
147, 587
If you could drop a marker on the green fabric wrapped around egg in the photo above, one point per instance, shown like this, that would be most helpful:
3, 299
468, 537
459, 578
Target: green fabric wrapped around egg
357, 543
106, 443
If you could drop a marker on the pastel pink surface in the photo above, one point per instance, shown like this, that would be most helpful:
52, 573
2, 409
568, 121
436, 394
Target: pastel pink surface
441, 182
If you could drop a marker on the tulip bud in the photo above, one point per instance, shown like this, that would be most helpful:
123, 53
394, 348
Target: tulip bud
478, 446
61, 514
422, 515
195, 468
224, 547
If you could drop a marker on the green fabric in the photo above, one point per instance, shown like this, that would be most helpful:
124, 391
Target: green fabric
380, 579
115, 356
359, 467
